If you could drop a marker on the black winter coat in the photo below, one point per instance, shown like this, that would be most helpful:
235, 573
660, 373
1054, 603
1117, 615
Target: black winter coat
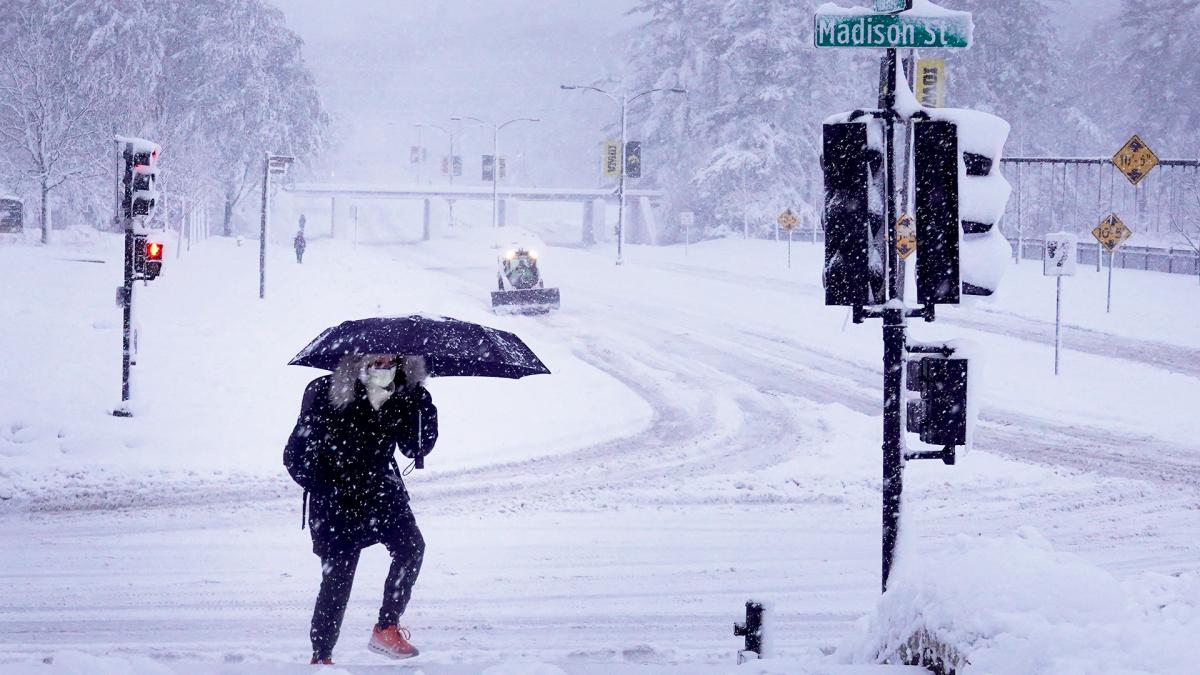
346, 460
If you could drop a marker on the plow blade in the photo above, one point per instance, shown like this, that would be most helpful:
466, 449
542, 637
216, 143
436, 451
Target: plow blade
533, 300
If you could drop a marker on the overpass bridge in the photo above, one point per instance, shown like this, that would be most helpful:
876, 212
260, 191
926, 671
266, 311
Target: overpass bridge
640, 222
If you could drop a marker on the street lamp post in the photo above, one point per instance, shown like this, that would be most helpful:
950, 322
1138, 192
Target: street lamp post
495, 154
623, 103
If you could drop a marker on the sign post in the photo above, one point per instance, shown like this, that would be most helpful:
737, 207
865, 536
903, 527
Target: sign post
687, 219
1059, 261
1111, 233
788, 221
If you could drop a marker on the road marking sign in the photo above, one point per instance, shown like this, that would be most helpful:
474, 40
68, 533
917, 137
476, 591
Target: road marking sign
906, 237
788, 220
1111, 232
1059, 259
931, 82
612, 159
1135, 159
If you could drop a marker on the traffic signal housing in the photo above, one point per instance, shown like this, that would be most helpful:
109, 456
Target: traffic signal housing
852, 163
940, 414
141, 174
147, 257
959, 197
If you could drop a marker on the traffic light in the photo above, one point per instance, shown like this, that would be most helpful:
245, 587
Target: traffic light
141, 172
854, 228
940, 414
960, 196
147, 257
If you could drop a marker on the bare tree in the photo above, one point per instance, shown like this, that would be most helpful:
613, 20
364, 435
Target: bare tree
48, 106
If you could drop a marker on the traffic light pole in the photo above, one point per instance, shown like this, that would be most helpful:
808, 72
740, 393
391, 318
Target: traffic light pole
894, 338
262, 230
125, 192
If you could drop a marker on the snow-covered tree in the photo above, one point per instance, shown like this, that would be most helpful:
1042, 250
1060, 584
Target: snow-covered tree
49, 107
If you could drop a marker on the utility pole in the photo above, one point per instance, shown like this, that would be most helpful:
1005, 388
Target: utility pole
622, 102
496, 128
272, 165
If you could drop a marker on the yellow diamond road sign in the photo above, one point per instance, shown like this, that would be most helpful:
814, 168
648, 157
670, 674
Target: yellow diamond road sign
906, 237
788, 220
1135, 160
1111, 232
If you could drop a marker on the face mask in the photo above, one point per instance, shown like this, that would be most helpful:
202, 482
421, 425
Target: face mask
381, 377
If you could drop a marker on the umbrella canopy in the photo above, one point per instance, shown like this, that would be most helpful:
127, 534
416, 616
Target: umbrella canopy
451, 348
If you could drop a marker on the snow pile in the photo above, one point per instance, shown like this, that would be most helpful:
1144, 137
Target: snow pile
1015, 605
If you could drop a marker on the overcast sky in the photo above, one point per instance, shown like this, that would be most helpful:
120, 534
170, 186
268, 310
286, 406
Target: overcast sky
383, 65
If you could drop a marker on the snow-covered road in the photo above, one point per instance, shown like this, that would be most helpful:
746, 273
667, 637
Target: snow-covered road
706, 438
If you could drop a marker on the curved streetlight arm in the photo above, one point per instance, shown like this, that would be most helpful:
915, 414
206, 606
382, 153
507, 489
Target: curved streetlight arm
572, 87
651, 91
433, 126
519, 119
459, 118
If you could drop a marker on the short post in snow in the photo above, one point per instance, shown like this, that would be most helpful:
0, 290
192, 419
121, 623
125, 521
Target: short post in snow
752, 630
687, 219
1059, 261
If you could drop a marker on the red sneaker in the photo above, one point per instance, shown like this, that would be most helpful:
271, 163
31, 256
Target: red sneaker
321, 662
392, 642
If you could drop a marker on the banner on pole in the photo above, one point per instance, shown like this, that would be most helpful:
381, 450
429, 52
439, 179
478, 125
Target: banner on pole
611, 163
931, 82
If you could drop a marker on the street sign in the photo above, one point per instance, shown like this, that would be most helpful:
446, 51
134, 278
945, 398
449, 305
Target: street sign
1059, 256
633, 159
445, 165
1111, 232
687, 218
611, 161
489, 168
931, 82
889, 6
1135, 159
788, 220
458, 164
906, 237
414, 155
853, 28
503, 165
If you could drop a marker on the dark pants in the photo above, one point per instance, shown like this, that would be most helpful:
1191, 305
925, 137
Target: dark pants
299, 255
337, 576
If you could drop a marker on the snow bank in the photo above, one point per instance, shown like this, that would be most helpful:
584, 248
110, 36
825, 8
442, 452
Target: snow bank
1015, 605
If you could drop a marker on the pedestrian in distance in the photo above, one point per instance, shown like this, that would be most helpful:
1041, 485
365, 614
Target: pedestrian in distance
342, 452
299, 242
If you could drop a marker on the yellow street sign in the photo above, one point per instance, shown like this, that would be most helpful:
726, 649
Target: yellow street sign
1135, 159
788, 220
931, 82
906, 237
612, 159
1111, 232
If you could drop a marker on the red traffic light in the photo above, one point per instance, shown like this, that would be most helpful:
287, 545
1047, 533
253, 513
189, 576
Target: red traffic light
154, 250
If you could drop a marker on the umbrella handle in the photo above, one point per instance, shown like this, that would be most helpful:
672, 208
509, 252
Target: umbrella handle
419, 462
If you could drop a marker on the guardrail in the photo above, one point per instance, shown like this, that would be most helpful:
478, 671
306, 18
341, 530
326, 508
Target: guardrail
1170, 260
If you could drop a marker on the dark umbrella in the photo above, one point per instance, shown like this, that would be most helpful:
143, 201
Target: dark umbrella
451, 348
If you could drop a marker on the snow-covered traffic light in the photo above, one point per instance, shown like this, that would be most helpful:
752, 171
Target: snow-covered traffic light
940, 415
853, 215
960, 196
141, 173
147, 257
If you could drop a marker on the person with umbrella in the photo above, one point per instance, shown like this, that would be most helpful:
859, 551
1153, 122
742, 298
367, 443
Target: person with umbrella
342, 450
342, 453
